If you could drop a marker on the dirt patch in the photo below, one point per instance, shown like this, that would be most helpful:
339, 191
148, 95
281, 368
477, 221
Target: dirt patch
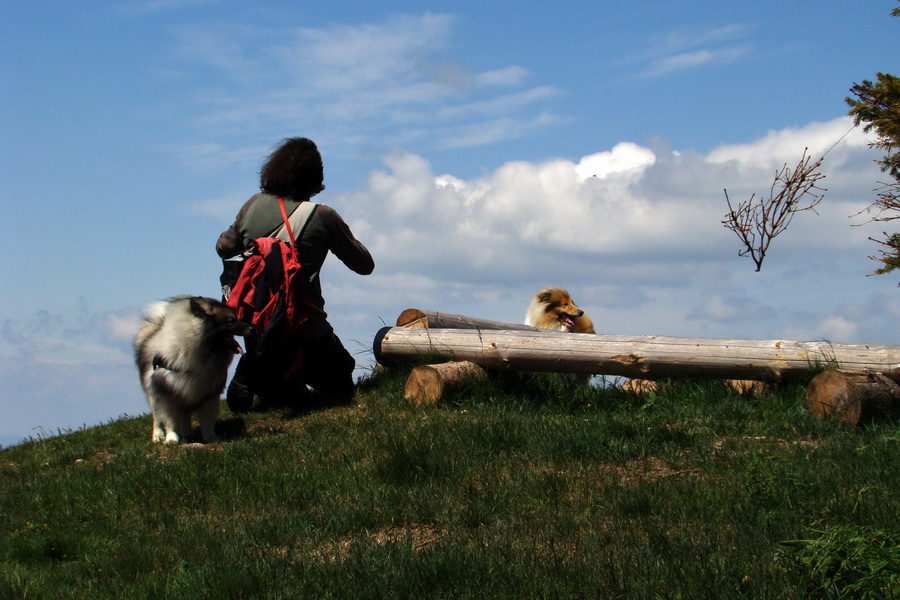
417, 536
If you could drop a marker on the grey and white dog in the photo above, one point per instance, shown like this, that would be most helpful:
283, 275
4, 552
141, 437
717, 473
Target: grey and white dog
183, 350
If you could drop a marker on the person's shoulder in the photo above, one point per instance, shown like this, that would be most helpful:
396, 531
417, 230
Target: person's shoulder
327, 213
254, 199
261, 197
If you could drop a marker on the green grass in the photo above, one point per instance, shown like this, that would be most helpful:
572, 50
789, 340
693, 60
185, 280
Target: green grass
543, 490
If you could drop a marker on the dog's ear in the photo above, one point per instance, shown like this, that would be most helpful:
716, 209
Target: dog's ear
544, 296
199, 307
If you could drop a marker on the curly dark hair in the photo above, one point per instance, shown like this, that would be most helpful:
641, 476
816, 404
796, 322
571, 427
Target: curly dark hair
293, 170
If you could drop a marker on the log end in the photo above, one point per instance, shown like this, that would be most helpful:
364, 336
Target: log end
376, 348
429, 384
424, 386
412, 317
852, 398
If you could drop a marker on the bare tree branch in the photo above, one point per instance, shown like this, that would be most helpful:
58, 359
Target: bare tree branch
757, 222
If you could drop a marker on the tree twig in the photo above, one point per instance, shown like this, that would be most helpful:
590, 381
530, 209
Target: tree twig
758, 222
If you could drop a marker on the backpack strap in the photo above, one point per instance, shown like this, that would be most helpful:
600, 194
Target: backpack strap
287, 222
305, 211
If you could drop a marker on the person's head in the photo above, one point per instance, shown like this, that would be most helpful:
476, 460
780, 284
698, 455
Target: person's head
293, 170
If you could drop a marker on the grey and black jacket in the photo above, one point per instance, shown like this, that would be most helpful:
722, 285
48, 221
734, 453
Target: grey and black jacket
325, 231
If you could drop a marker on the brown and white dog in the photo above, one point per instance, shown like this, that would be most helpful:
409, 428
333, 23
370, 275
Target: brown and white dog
553, 308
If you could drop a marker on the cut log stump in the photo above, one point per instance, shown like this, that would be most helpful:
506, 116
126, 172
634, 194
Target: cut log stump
852, 398
429, 384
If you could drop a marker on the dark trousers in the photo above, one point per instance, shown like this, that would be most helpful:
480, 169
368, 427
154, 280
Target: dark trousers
327, 367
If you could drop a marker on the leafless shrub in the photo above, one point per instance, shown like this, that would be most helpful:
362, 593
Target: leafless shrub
758, 222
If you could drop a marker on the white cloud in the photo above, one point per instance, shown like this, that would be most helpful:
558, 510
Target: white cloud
626, 203
65, 371
833, 328
635, 234
222, 208
837, 137
490, 131
345, 58
625, 156
507, 76
685, 61
85, 339
149, 7
732, 309
837, 328
687, 50
374, 83
500, 105
207, 156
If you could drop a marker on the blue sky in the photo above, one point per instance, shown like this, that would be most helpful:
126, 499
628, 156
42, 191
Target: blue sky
481, 150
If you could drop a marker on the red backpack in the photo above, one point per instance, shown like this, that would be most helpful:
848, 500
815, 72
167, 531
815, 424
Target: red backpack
270, 295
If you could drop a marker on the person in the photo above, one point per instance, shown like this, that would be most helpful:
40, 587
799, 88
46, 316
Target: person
294, 172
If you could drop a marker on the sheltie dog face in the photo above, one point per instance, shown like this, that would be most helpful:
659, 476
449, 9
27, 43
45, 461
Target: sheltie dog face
553, 308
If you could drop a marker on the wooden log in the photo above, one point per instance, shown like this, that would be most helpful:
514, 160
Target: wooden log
852, 398
430, 319
429, 384
640, 357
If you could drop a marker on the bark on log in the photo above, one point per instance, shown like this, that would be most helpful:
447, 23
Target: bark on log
640, 357
430, 319
429, 384
852, 398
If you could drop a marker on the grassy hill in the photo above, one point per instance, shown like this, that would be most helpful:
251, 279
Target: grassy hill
544, 491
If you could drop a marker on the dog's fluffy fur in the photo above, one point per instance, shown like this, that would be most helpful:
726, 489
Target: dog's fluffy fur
183, 350
553, 308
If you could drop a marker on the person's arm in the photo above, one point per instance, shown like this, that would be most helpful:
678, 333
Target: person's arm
343, 244
231, 241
